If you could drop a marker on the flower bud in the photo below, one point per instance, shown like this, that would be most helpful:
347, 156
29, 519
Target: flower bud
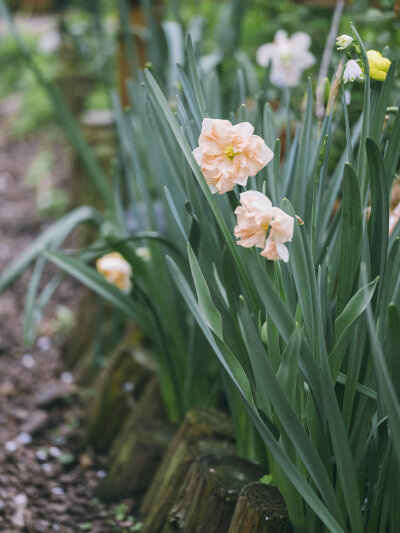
378, 65
343, 41
116, 270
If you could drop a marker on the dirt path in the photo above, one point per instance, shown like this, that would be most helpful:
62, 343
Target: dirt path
46, 485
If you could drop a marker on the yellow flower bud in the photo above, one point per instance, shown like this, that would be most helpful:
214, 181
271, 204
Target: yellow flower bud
378, 65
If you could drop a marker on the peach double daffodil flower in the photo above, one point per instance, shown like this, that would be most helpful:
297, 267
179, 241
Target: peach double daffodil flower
378, 65
229, 154
256, 217
116, 270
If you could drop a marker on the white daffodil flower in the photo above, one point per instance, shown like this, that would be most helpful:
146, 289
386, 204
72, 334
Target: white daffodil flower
288, 56
352, 71
343, 41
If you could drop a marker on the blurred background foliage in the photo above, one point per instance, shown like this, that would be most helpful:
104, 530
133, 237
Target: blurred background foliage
79, 49
89, 32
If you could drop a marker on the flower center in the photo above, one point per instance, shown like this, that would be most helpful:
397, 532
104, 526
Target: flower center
265, 227
230, 153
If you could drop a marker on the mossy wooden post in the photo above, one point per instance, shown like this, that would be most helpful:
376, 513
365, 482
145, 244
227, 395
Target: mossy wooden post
82, 333
209, 494
139, 446
260, 509
138, 458
204, 431
120, 385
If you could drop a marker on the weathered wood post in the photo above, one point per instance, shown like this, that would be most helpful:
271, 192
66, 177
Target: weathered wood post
209, 494
204, 431
139, 446
120, 385
260, 509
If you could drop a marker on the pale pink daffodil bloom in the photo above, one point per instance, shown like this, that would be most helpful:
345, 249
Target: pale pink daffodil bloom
257, 218
229, 154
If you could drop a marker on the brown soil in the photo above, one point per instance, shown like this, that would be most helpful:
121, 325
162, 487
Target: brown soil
46, 483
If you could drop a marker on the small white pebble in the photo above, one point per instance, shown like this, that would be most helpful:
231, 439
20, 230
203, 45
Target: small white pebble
57, 491
11, 446
101, 474
20, 499
44, 343
41, 455
28, 361
24, 438
128, 386
54, 451
47, 467
67, 377
56, 527
267, 518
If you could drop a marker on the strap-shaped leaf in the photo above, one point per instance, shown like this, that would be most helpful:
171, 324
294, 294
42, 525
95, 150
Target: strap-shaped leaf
378, 115
386, 388
204, 296
195, 78
52, 236
378, 226
350, 242
236, 373
343, 325
166, 110
96, 282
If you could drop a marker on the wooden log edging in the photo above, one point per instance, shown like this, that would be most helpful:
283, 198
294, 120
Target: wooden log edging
209, 494
139, 446
120, 385
138, 459
260, 509
203, 432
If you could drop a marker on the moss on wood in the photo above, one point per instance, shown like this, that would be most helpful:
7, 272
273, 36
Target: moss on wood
209, 494
260, 509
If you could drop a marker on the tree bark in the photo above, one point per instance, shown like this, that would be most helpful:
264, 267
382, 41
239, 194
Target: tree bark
203, 432
208, 497
260, 509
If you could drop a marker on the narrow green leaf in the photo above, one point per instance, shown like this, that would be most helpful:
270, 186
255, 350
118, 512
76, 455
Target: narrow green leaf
160, 99
195, 78
52, 236
235, 371
350, 242
204, 296
378, 225
96, 282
